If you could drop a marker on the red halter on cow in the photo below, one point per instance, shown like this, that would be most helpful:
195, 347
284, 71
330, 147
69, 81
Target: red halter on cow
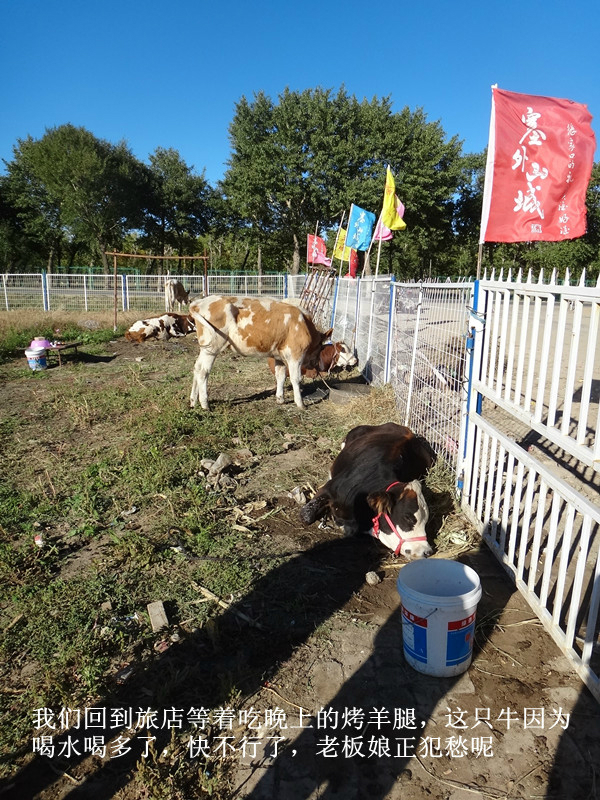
374, 488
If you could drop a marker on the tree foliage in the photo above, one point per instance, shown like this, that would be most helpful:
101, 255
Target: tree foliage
301, 162
296, 165
70, 186
179, 207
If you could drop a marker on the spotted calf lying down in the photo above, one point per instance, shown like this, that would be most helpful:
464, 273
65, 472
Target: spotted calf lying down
165, 327
374, 487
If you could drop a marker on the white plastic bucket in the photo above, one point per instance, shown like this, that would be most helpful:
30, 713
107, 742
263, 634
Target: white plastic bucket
439, 602
36, 358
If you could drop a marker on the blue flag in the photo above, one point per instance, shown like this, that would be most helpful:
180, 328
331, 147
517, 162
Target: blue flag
360, 228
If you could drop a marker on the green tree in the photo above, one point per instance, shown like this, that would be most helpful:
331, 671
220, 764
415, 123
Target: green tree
305, 159
78, 188
34, 214
180, 207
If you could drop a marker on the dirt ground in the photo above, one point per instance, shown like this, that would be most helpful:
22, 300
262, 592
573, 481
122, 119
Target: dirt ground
329, 706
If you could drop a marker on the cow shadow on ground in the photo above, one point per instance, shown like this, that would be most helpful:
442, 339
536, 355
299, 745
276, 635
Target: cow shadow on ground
88, 358
365, 739
291, 601
575, 773
238, 401
244, 648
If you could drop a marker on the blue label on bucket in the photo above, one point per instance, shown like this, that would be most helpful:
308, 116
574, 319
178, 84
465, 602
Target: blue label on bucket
460, 640
414, 635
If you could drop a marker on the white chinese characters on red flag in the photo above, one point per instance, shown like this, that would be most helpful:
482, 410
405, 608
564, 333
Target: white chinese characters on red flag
316, 251
539, 163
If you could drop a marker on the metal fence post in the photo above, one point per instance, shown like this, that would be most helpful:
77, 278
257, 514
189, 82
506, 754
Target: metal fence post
334, 306
5, 291
124, 297
356, 314
472, 400
414, 356
45, 293
388, 347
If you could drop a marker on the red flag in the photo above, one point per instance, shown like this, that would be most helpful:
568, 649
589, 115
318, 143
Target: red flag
316, 251
353, 264
539, 163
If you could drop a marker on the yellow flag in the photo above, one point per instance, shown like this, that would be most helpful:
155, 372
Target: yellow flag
342, 252
390, 216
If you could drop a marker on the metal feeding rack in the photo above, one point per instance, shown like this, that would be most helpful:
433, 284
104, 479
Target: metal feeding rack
317, 290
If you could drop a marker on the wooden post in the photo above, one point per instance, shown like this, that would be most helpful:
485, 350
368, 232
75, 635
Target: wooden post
205, 272
479, 259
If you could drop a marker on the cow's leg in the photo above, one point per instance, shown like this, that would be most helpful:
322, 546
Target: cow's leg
317, 507
202, 369
280, 378
295, 370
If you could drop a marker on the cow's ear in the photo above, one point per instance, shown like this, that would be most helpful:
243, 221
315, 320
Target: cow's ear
325, 336
379, 502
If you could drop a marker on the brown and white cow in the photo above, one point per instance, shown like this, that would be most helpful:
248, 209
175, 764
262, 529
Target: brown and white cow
165, 327
333, 356
175, 293
254, 326
374, 487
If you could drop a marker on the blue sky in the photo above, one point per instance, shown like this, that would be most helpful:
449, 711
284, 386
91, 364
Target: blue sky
168, 74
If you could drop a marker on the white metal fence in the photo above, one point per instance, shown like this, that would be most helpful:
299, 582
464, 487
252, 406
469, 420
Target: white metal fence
143, 293
530, 468
502, 376
412, 336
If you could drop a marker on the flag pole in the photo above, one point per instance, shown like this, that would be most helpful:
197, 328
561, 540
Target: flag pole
376, 227
368, 252
487, 183
343, 248
379, 246
347, 232
337, 237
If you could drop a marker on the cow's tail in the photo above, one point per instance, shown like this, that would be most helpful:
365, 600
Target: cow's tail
206, 322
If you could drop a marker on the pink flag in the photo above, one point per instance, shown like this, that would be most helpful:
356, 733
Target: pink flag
316, 251
383, 233
539, 163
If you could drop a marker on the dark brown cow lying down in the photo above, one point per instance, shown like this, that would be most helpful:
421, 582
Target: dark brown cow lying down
336, 355
374, 488
161, 327
254, 326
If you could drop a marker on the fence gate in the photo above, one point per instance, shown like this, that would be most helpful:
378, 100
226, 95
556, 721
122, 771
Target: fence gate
530, 454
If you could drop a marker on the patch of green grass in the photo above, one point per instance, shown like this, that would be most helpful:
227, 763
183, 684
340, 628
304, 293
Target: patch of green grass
84, 447
15, 340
